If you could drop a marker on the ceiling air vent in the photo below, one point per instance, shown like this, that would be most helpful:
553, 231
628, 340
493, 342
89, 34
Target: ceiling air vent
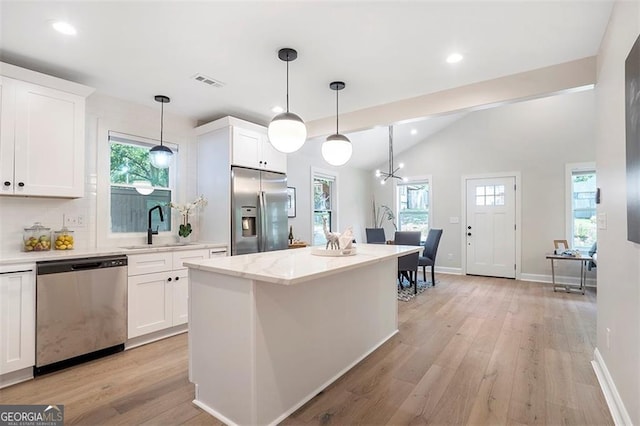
208, 80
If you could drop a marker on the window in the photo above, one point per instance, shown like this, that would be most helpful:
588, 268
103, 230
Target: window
582, 226
323, 206
129, 162
490, 195
413, 206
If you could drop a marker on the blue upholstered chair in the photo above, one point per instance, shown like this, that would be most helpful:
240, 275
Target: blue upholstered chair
375, 236
408, 264
428, 257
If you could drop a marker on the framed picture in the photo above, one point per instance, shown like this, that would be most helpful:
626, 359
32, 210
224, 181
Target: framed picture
632, 119
291, 201
561, 245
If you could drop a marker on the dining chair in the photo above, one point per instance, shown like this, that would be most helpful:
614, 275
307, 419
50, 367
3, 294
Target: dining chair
375, 236
428, 257
408, 264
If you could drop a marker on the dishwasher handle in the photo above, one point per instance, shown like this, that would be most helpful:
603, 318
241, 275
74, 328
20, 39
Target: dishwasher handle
82, 266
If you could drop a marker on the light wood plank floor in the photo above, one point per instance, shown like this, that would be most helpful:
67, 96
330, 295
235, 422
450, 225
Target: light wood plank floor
472, 350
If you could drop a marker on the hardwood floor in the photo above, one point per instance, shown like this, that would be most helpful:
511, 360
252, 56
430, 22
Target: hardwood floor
472, 350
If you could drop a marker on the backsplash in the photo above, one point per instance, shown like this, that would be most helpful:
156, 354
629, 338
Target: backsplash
20, 212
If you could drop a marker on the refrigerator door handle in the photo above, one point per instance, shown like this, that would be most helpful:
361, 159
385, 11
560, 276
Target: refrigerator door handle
262, 243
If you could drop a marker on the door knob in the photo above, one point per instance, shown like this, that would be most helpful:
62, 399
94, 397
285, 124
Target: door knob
169, 279
177, 278
7, 183
20, 183
469, 234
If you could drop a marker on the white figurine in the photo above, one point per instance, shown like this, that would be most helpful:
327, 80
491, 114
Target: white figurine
333, 239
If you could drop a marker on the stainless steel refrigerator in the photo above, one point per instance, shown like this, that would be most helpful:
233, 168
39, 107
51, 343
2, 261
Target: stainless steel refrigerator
258, 211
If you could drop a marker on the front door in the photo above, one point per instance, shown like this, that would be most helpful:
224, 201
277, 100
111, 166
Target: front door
490, 227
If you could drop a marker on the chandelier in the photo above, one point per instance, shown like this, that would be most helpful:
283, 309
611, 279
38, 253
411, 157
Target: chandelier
384, 176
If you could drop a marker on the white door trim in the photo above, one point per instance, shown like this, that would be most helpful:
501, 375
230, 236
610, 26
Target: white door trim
463, 213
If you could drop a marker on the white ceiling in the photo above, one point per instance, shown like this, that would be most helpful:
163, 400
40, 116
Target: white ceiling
384, 50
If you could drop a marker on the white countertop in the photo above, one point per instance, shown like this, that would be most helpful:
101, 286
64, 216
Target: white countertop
298, 265
29, 257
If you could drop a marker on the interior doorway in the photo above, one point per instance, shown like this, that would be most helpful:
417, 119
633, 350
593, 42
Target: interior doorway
491, 230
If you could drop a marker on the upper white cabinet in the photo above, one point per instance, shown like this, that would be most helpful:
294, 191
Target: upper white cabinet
248, 144
41, 135
253, 149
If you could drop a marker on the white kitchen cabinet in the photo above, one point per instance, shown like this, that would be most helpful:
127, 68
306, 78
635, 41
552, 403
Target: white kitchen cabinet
41, 135
17, 317
159, 290
250, 148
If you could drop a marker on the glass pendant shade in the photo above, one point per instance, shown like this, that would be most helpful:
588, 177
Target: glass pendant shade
160, 156
337, 150
143, 187
287, 132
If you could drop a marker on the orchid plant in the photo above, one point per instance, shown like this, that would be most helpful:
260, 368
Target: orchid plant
185, 209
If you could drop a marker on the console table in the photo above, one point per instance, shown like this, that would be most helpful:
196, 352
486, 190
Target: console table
583, 259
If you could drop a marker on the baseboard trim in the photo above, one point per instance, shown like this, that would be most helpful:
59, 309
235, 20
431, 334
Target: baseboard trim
15, 377
155, 336
560, 279
447, 270
616, 406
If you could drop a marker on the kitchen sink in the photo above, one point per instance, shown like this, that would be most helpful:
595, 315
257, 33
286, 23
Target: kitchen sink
148, 246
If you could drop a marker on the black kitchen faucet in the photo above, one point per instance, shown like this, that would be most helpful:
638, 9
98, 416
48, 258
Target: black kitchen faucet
151, 232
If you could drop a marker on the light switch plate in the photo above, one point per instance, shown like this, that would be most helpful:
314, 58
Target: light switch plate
602, 221
454, 219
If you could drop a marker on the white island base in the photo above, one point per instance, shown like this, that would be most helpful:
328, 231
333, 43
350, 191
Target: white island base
259, 350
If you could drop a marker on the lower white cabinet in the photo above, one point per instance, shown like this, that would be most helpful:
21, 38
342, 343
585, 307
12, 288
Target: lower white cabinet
159, 299
17, 317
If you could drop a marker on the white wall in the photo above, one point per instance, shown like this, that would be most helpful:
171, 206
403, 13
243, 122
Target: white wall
618, 259
103, 114
536, 138
354, 195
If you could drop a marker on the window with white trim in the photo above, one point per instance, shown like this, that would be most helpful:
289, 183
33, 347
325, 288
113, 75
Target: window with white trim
413, 206
128, 166
324, 206
581, 220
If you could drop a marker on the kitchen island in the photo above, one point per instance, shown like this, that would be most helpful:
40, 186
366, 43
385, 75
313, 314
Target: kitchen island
268, 331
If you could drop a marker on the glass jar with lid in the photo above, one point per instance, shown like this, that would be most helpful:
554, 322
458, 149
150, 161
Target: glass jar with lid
63, 239
36, 238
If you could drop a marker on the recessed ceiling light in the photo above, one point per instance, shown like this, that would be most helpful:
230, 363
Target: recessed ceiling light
414, 132
453, 58
64, 28
277, 109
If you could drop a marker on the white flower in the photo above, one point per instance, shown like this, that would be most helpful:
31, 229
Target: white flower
185, 209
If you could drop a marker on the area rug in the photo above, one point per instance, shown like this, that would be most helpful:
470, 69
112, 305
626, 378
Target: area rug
405, 294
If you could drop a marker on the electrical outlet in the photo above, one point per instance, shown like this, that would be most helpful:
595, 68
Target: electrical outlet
70, 221
74, 221
608, 338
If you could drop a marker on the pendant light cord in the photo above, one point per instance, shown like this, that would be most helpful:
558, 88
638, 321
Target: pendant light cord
337, 132
287, 82
391, 150
161, 121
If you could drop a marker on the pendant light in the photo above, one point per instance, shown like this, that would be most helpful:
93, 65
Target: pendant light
287, 132
143, 187
160, 155
337, 149
392, 171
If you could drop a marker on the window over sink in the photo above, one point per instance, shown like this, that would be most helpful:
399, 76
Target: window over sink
129, 163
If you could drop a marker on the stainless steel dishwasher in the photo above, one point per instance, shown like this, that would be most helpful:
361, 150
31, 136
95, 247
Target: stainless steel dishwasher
81, 310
